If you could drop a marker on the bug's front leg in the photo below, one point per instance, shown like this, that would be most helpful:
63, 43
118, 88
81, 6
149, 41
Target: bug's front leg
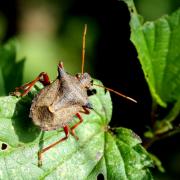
24, 89
86, 111
66, 131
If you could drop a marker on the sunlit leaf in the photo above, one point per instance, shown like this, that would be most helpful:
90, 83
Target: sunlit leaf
113, 153
158, 46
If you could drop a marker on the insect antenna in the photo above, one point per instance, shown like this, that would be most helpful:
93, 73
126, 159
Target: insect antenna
116, 92
83, 48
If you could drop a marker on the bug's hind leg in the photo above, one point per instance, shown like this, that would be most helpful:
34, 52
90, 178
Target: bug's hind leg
66, 131
24, 89
86, 111
76, 125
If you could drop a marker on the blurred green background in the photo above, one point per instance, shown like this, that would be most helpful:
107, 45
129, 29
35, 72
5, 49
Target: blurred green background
49, 31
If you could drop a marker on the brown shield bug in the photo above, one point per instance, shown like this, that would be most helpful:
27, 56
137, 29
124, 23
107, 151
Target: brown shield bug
56, 104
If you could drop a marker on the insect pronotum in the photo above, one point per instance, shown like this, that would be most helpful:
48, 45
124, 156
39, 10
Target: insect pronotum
56, 104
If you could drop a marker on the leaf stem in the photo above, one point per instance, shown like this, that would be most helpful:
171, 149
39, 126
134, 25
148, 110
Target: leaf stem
158, 137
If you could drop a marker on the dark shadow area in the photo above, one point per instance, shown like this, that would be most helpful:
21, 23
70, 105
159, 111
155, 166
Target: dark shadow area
23, 125
167, 150
118, 67
9, 10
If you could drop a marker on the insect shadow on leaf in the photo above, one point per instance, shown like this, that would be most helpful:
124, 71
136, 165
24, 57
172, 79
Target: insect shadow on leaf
23, 125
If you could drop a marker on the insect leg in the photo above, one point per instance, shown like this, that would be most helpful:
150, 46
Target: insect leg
86, 111
66, 130
45, 81
43, 78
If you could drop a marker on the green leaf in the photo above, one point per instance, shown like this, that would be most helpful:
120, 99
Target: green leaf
2, 89
10, 70
158, 46
157, 163
114, 153
125, 158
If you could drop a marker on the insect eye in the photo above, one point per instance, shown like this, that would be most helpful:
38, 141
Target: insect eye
78, 76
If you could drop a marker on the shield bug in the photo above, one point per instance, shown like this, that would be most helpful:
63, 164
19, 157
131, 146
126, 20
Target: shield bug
56, 104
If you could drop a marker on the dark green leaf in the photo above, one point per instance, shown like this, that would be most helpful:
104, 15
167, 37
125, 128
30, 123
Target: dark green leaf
2, 89
10, 70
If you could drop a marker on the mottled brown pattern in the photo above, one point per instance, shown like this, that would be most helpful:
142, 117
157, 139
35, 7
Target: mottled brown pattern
56, 104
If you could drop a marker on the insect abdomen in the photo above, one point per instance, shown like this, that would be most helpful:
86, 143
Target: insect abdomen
42, 117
